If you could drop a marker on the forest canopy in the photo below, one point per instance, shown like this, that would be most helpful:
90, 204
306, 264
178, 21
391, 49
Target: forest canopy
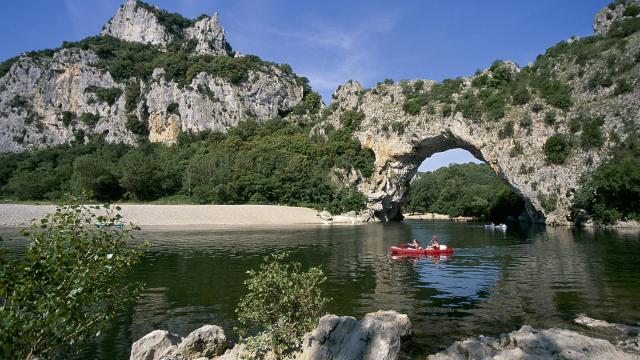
463, 190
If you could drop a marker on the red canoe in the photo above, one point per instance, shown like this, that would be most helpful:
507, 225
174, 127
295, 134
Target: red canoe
410, 251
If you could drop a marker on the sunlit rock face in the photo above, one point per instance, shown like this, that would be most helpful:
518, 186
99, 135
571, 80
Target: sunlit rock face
54, 99
139, 22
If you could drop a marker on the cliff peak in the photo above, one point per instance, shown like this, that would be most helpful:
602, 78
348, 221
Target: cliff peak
137, 21
614, 13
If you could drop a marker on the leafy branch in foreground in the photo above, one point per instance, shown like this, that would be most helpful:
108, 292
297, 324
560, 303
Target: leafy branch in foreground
67, 285
282, 304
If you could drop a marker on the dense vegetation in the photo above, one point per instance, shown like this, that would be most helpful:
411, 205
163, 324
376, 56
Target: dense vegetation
463, 190
67, 286
612, 191
272, 163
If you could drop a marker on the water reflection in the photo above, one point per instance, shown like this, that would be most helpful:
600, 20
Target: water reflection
494, 283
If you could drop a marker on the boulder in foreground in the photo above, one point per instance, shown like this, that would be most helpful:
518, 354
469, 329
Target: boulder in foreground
376, 337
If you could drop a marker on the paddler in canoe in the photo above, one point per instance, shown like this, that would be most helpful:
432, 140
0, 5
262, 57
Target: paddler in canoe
435, 245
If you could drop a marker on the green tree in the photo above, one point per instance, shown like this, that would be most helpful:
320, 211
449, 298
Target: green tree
97, 175
69, 283
282, 303
557, 149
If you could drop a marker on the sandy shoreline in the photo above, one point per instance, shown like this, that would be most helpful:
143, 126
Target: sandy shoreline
14, 215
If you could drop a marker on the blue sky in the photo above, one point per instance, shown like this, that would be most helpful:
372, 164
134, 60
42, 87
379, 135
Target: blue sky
333, 41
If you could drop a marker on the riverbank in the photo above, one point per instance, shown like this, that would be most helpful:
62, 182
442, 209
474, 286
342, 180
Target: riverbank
18, 215
434, 216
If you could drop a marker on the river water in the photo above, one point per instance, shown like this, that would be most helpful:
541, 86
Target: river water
495, 282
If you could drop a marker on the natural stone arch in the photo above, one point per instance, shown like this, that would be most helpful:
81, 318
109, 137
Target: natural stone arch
402, 141
406, 166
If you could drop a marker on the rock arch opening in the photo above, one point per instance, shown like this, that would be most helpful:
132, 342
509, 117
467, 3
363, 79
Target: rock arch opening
397, 163
457, 184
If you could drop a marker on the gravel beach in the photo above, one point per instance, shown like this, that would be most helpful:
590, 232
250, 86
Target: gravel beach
13, 215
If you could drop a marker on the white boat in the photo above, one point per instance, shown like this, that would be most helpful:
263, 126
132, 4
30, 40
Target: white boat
496, 227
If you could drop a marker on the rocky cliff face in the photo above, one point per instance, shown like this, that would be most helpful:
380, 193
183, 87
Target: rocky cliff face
614, 13
139, 22
541, 128
70, 95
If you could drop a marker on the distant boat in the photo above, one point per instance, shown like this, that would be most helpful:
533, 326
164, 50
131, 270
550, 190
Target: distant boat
117, 225
496, 227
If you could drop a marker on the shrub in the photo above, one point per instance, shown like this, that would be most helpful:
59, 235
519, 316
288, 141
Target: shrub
550, 118
20, 103
631, 10
351, 119
494, 104
557, 94
96, 174
549, 203
310, 104
599, 80
132, 96
470, 107
412, 107
68, 284
591, 136
557, 149
137, 126
612, 191
622, 87
516, 150
173, 109
536, 108
109, 95
526, 122
90, 119
447, 110
506, 131
521, 96
398, 127
349, 199
480, 81
282, 303
67, 117
500, 74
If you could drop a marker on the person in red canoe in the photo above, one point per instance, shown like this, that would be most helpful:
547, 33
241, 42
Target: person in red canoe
435, 245
415, 244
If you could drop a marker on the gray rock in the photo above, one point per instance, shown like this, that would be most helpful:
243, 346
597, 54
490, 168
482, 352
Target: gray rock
377, 336
626, 337
529, 343
608, 16
209, 36
155, 345
135, 23
205, 342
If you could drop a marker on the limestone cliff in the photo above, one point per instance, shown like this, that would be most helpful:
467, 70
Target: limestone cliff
103, 86
139, 22
541, 128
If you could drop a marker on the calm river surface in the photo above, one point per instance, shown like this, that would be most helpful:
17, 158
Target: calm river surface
494, 283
